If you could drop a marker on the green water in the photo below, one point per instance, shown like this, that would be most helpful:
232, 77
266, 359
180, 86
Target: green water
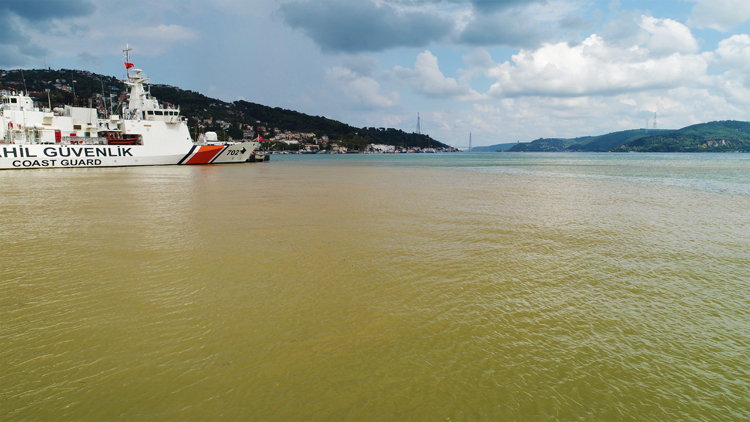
518, 287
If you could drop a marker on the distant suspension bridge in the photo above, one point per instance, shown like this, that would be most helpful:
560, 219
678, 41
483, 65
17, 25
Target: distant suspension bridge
465, 147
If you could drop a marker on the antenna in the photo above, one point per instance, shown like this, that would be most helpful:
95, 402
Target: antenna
654, 120
24, 82
419, 129
104, 99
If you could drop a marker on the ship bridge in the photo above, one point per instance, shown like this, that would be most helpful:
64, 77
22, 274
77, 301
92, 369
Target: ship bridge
17, 102
141, 105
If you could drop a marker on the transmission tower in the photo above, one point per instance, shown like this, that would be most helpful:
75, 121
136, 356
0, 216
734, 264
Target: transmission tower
654, 120
419, 129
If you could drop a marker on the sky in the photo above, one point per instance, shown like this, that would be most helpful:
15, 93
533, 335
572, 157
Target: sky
504, 70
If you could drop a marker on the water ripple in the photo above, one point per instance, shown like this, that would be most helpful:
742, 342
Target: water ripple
482, 287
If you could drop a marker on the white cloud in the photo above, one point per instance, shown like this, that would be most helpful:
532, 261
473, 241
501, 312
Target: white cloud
427, 79
170, 33
593, 68
361, 65
527, 118
734, 52
721, 15
361, 90
155, 40
147, 36
624, 30
356, 26
243, 7
668, 36
479, 59
734, 85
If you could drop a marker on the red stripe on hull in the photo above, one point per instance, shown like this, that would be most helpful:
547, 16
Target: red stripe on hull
205, 154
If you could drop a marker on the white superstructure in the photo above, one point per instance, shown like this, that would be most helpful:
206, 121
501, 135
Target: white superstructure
147, 133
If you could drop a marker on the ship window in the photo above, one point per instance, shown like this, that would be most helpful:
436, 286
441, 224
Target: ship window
76, 127
14, 100
150, 113
158, 112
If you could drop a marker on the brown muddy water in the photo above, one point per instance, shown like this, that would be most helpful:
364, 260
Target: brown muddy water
464, 287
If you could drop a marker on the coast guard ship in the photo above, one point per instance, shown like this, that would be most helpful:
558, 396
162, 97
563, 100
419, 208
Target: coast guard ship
146, 134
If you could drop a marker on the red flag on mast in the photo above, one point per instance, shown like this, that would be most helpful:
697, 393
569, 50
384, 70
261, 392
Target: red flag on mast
128, 65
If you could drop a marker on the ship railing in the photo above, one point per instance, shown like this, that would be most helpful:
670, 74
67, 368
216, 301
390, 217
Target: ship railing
21, 138
17, 137
83, 140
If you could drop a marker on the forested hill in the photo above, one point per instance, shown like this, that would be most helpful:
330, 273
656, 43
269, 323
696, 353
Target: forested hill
495, 148
724, 136
586, 143
198, 106
546, 145
83, 88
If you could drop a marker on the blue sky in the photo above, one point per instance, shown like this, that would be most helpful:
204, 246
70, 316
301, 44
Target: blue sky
506, 70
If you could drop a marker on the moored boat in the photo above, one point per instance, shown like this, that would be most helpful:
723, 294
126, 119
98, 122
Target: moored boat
145, 133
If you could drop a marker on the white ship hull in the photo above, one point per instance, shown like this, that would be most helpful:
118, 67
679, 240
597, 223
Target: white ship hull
32, 156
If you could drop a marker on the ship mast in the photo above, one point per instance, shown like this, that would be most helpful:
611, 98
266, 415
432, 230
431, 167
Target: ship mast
128, 65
